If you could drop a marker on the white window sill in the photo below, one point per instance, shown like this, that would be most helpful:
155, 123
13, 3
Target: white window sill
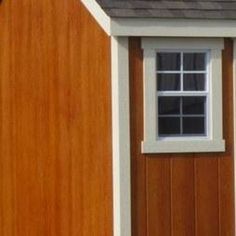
183, 146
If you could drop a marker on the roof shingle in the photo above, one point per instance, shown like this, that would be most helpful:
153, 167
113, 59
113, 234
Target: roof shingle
203, 9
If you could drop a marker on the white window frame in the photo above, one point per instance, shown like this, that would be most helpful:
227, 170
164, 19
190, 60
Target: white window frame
213, 142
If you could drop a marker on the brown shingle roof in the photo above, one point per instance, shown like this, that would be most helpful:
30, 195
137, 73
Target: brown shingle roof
204, 9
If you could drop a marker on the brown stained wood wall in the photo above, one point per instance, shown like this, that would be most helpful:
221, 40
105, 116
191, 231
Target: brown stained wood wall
181, 194
55, 121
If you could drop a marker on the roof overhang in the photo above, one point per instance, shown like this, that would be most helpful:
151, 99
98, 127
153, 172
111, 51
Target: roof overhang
159, 26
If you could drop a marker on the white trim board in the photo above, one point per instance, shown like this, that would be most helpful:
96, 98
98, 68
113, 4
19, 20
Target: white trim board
172, 27
182, 43
121, 137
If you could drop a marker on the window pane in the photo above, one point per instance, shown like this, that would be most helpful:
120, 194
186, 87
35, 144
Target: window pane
194, 105
194, 82
168, 105
194, 61
169, 125
168, 61
168, 82
193, 125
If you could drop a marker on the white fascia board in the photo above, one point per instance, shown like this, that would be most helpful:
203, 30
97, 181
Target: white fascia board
151, 27
100, 16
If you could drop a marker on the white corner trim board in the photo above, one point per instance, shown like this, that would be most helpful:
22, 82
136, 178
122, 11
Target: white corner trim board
97, 12
234, 107
121, 137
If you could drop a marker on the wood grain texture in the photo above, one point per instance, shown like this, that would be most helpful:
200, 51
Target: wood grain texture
158, 196
226, 163
207, 195
138, 164
181, 194
55, 121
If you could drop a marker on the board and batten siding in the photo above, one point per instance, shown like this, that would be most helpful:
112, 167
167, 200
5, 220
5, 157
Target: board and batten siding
181, 194
55, 121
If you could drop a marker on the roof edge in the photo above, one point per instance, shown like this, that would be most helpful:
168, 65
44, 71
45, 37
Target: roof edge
98, 13
160, 27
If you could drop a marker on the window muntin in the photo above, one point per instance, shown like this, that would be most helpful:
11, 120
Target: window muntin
182, 93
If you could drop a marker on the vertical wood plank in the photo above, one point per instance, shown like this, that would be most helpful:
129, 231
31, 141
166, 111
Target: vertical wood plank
7, 212
159, 196
226, 163
207, 195
183, 194
138, 163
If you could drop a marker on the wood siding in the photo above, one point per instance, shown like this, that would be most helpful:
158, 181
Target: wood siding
55, 121
181, 194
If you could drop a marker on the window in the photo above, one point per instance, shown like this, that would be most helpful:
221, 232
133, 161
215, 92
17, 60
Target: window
182, 95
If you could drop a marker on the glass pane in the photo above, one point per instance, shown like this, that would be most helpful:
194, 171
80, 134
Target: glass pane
194, 82
168, 105
168, 82
194, 61
169, 125
194, 125
168, 61
194, 105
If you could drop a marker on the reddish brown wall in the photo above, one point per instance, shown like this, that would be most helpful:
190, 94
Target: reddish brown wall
184, 194
55, 121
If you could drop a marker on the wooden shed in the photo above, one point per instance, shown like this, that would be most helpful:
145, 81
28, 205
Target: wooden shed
117, 117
